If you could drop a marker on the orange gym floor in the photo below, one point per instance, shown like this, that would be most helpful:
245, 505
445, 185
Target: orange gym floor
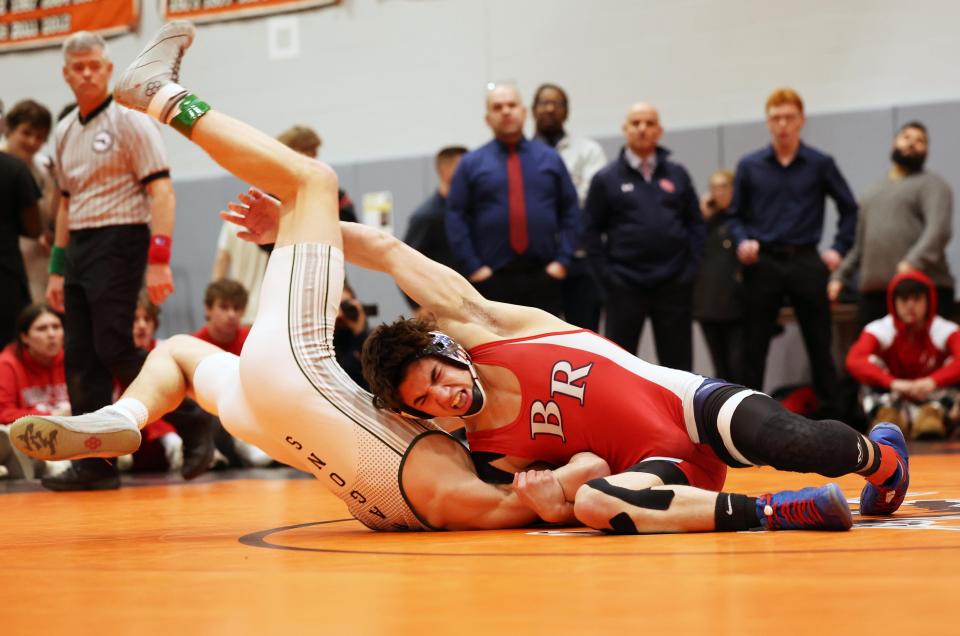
268, 552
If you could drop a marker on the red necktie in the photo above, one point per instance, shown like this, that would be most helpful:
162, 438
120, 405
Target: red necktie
518, 207
646, 170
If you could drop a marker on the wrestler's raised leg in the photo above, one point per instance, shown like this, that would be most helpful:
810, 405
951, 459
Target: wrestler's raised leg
307, 187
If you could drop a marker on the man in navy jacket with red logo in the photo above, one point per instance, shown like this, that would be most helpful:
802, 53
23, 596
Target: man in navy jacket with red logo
644, 235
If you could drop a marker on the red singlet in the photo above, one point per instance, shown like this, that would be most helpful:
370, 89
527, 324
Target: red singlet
581, 392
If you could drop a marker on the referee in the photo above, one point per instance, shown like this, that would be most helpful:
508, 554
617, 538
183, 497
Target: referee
114, 223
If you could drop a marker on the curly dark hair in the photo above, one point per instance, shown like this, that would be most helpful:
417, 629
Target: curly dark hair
386, 354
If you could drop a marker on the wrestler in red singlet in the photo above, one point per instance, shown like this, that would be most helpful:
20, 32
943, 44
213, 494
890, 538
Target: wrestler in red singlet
581, 392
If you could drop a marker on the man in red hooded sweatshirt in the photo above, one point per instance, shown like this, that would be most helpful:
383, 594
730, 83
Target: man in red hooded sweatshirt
908, 361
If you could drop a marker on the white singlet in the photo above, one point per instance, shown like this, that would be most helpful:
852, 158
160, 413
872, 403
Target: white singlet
286, 394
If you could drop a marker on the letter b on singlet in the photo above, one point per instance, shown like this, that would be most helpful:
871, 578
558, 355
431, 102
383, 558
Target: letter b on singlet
545, 419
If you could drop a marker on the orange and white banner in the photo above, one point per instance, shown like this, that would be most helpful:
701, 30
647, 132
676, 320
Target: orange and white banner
216, 10
35, 23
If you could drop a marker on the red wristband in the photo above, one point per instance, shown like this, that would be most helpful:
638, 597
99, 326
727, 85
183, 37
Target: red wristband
160, 248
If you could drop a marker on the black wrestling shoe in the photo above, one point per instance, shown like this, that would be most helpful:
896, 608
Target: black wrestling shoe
87, 474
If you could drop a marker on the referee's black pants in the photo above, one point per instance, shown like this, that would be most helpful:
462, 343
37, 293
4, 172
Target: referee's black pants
104, 275
670, 307
800, 274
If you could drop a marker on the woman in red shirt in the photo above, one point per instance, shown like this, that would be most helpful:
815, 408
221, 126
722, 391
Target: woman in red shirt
31, 368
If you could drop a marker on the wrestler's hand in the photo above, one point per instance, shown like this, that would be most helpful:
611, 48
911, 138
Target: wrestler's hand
54, 293
159, 283
257, 213
540, 491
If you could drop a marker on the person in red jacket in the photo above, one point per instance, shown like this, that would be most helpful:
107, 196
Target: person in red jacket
225, 301
32, 381
32, 377
908, 361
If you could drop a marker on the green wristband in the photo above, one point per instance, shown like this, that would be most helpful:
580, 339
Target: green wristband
58, 257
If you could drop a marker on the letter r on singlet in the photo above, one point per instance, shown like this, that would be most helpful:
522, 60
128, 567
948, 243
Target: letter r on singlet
562, 379
545, 419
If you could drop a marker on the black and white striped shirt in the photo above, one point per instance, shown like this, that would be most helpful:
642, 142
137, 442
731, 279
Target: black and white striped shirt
104, 161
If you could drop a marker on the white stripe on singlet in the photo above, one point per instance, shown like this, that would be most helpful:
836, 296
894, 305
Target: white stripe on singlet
725, 421
315, 355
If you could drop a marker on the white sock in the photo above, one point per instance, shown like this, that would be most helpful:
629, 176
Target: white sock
134, 410
163, 105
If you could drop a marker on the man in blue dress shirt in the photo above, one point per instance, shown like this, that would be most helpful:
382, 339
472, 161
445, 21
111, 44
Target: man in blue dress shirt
778, 206
512, 212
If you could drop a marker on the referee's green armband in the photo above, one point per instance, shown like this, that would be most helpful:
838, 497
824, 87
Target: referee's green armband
58, 256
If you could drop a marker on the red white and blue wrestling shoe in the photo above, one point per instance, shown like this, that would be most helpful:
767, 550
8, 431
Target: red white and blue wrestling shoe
885, 499
823, 508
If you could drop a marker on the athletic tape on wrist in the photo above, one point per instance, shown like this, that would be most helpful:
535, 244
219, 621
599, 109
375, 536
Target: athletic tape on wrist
58, 257
160, 247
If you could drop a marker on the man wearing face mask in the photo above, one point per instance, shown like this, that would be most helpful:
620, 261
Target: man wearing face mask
904, 226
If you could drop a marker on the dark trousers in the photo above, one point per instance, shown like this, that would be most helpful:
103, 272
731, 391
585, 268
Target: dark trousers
14, 296
873, 305
800, 274
670, 307
105, 268
581, 296
725, 342
104, 274
524, 282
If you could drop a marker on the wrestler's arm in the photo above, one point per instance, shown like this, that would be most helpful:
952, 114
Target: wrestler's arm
551, 493
479, 505
438, 288
442, 486
435, 287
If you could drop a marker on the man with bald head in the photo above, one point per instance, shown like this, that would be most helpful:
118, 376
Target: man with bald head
512, 212
644, 236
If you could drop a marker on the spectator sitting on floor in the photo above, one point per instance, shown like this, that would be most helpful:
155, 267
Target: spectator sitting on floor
224, 303
909, 361
32, 380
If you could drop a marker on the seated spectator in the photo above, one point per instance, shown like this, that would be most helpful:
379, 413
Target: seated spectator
349, 333
224, 303
161, 449
32, 379
908, 361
